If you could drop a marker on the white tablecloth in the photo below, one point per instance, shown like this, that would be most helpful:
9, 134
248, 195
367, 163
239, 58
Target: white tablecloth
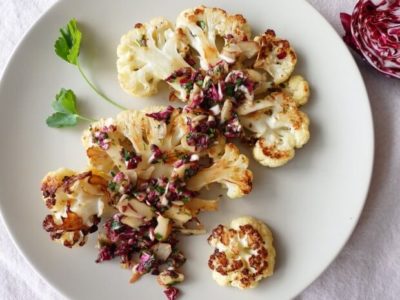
369, 265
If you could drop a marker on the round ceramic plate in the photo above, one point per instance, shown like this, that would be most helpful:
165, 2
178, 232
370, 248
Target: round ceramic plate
312, 204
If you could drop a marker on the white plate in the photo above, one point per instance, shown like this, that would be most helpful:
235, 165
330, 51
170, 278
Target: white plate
312, 204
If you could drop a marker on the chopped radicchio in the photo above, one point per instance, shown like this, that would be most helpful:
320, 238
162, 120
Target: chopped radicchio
163, 115
171, 293
146, 262
203, 134
105, 253
131, 159
232, 128
157, 155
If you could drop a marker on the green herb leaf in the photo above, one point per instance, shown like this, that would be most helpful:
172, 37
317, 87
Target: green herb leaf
112, 186
59, 120
115, 225
230, 90
68, 44
202, 24
66, 112
186, 199
65, 102
158, 236
160, 190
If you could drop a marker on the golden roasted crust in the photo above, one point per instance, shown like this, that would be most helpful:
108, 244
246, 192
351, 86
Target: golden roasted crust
244, 253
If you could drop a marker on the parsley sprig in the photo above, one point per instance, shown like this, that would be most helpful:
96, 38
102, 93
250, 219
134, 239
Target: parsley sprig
66, 113
67, 46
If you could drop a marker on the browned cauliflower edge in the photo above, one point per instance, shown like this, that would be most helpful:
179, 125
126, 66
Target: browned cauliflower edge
76, 202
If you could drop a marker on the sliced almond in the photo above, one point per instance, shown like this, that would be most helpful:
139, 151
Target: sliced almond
142, 209
132, 221
179, 214
162, 251
163, 228
196, 205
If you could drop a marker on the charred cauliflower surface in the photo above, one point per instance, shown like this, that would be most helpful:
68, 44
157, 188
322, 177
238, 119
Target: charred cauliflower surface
244, 253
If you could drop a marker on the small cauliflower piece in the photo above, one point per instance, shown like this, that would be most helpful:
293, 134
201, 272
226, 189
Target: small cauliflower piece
278, 126
244, 253
76, 202
148, 53
276, 56
203, 25
230, 170
298, 88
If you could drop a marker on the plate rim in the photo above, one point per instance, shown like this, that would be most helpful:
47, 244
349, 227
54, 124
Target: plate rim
58, 289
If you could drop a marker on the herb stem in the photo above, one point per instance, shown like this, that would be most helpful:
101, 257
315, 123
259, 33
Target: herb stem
86, 119
112, 102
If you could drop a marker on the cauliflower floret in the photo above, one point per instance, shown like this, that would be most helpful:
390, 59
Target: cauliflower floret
297, 87
230, 170
244, 253
76, 201
279, 127
202, 26
149, 53
276, 56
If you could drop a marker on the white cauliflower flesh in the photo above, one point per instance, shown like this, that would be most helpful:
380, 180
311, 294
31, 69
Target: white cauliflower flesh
276, 56
244, 253
203, 25
148, 53
76, 202
278, 126
230, 171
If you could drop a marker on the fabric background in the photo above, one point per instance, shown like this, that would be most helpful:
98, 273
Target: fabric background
369, 265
